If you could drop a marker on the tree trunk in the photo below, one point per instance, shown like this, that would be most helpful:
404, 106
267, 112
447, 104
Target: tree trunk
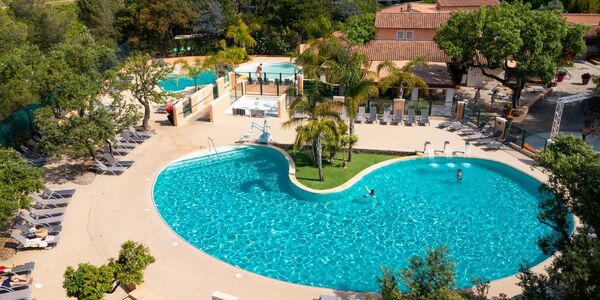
350, 131
146, 120
319, 157
117, 284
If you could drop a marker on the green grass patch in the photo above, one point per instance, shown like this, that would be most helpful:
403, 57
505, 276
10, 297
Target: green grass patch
334, 172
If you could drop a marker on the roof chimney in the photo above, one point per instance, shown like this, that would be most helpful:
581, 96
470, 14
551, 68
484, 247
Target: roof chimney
409, 7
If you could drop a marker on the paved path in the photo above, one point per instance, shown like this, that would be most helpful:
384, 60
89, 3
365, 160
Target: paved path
116, 208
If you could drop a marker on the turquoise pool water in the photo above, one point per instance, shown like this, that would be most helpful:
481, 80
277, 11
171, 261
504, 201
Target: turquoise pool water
270, 70
242, 208
177, 83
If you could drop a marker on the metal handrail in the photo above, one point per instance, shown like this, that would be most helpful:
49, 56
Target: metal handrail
210, 141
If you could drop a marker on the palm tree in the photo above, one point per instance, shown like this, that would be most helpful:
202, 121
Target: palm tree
402, 78
194, 70
322, 124
241, 33
356, 93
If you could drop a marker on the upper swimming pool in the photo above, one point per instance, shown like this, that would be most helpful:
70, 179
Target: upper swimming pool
242, 208
178, 83
271, 70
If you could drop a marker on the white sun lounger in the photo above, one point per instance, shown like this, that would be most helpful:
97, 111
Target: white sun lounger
103, 169
139, 133
43, 203
117, 163
372, 115
25, 243
386, 118
23, 269
360, 117
411, 120
25, 229
57, 194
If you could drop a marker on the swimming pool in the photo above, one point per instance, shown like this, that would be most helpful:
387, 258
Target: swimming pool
177, 83
270, 70
241, 207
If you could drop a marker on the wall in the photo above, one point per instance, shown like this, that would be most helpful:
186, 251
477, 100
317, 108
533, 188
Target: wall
419, 34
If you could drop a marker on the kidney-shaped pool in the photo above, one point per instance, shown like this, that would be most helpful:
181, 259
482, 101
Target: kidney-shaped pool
241, 207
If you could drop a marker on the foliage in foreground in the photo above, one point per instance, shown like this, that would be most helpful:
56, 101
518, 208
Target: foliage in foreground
17, 180
573, 186
91, 282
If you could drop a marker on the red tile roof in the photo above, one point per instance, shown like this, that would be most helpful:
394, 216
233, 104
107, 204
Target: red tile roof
411, 20
380, 50
467, 3
591, 20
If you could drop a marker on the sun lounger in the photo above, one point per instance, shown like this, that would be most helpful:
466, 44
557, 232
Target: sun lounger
103, 169
424, 119
43, 203
47, 211
411, 120
24, 243
30, 154
41, 221
344, 115
34, 162
130, 138
139, 133
372, 115
327, 297
468, 130
447, 122
398, 117
25, 229
489, 138
15, 293
459, 125
360, 117
117, 163
57, 194
386, 118
23, 269
495, 146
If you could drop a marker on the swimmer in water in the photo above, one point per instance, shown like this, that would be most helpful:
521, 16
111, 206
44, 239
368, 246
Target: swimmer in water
371, 192
459, 174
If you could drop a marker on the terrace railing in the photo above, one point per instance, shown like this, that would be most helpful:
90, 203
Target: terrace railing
273, 84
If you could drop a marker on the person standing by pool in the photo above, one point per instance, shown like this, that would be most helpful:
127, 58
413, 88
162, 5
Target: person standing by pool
459, 174
259, 70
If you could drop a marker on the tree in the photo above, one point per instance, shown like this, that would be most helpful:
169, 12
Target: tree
360, 29
88, 281
91, 282
99, 17
17, 180
402, 78
524, 43
133, 259
553, 5
143, 78
322, 124
210, 20
241, 34
16, 66
153, 24
12, 33
431, 277
194, 70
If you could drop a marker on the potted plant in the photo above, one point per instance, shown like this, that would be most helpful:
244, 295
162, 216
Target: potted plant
585, 78
561, 75
507, 110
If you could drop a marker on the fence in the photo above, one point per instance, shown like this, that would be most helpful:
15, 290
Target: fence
18, 126
273, 84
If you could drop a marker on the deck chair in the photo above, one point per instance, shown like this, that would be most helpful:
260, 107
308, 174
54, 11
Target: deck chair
486, 131
47, 212
448, 121
130, 138
44, 203
298, 114
26, 230
468, 130
386, 118
495, 146
15, 293
360, 117
344, 115
372, 115
424, 119
25, 243
398, 117
411, 120
139, 133
23, 269
103, 169
117, 163
41, 221
489, 138
57, 194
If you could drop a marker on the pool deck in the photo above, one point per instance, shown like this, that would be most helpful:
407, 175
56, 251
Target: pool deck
113, 209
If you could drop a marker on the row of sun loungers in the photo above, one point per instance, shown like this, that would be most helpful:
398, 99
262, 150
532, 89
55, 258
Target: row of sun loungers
482, 134
21, 291
388, 118
45, 216
129, 139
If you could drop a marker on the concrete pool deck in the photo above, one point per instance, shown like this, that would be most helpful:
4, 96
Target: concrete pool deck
114, 209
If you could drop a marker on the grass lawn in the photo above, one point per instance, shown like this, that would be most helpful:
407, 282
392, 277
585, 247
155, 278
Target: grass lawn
335, 174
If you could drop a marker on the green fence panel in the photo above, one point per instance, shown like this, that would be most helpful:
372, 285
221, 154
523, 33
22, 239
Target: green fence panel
17, 126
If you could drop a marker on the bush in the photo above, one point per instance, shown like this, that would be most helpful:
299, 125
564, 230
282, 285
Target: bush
133, 259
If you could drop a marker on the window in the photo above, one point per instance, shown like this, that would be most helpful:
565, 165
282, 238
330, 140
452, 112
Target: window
409, 35
399, 35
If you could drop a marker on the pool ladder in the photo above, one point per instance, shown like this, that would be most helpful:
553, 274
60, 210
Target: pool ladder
210, 142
